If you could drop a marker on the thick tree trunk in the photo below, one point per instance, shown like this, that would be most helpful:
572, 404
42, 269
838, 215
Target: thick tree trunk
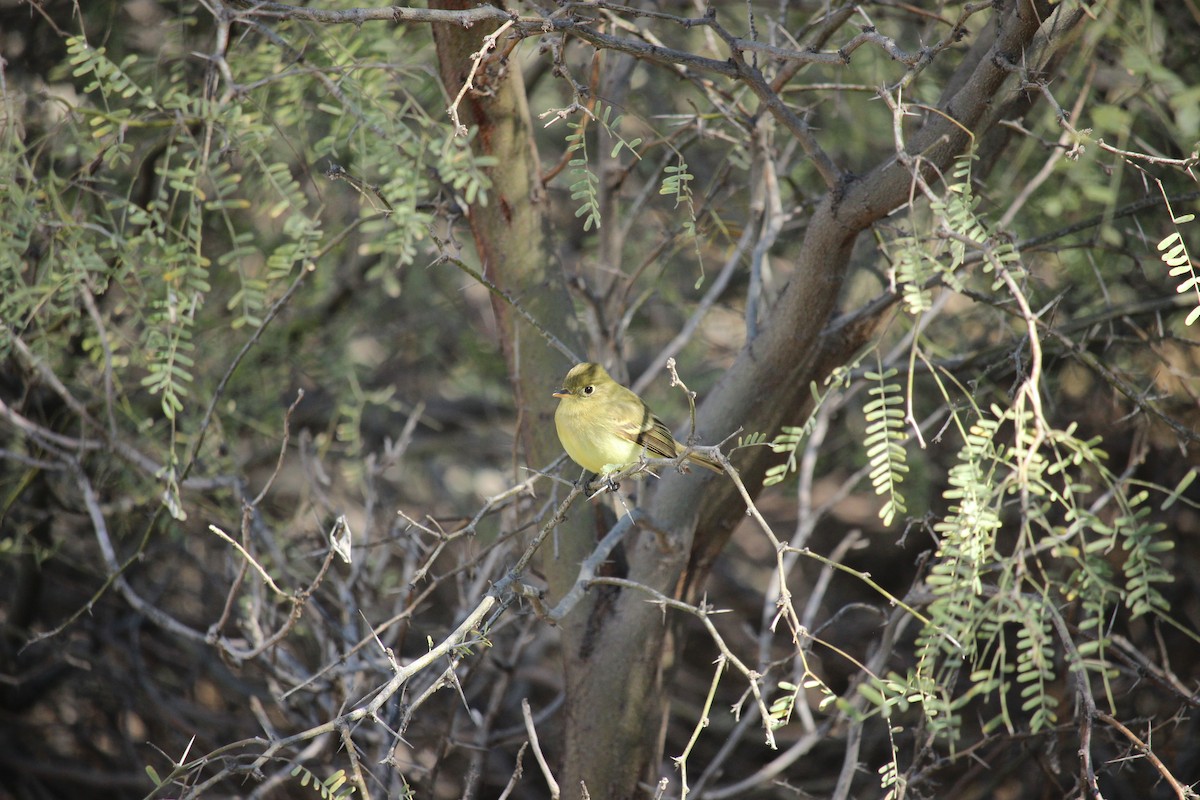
517, 255
510, 232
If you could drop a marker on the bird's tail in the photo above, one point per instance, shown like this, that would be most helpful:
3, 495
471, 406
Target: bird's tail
706, 462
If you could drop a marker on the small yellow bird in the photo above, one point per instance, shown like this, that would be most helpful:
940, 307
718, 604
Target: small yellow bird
603, 424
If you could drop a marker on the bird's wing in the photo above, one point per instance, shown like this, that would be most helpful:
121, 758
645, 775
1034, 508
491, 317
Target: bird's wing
656, 437
650, 433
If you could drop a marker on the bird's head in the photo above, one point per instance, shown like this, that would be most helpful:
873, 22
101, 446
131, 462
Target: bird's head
585, 381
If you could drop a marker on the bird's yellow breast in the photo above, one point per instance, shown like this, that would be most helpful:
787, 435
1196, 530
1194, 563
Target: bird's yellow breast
588, 437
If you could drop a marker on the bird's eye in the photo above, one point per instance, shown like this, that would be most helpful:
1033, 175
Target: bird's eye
589, 389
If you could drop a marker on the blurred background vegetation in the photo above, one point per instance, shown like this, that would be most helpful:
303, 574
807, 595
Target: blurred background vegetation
238, 289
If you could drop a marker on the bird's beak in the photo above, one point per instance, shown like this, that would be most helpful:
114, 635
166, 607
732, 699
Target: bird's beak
561, 393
